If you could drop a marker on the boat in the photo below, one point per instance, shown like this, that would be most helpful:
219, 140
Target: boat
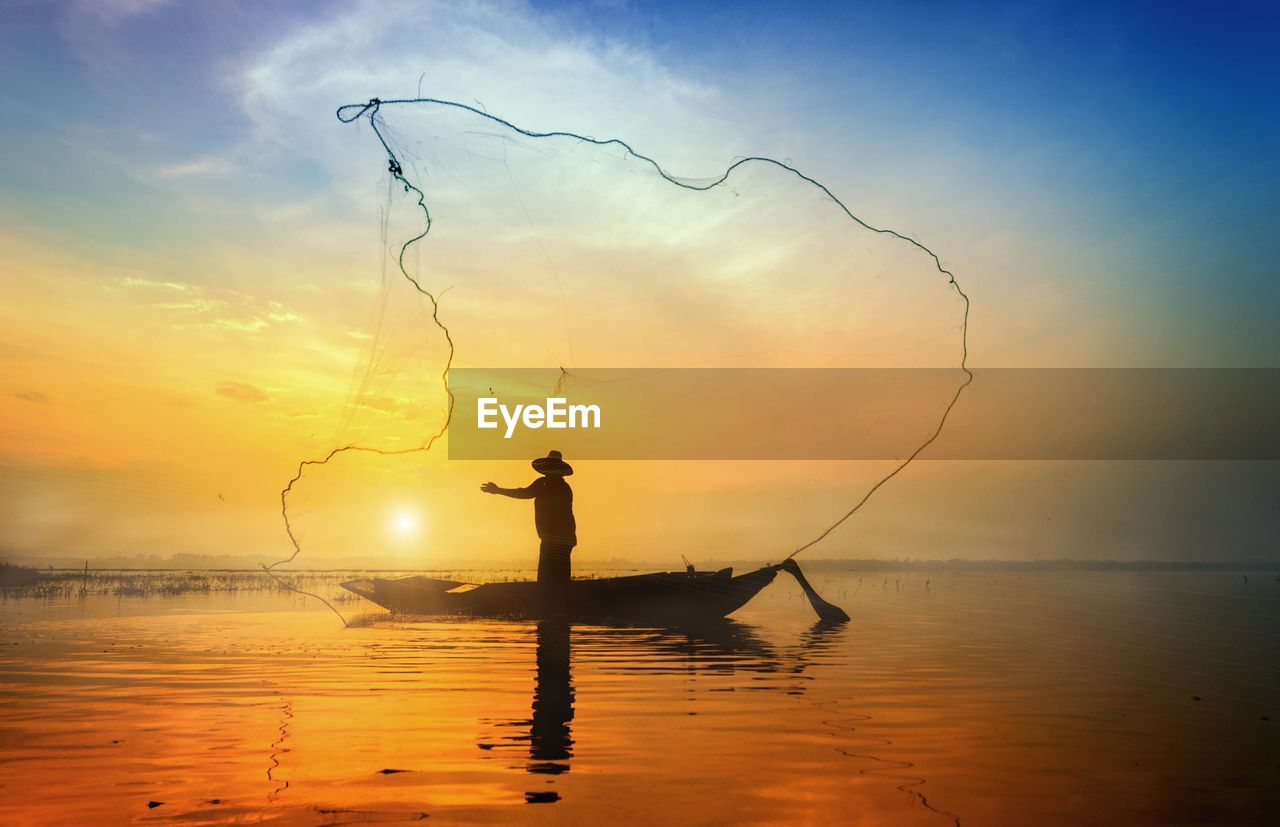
665, 598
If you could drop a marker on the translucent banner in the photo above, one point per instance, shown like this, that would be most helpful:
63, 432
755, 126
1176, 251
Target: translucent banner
841, 414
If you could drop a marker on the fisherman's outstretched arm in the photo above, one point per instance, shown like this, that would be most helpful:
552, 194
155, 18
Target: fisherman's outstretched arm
526, 493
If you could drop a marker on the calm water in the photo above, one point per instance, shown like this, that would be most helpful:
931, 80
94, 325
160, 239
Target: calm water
1048, 698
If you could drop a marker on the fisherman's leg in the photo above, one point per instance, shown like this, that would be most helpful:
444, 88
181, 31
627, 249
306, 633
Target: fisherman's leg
553, 578
553, 563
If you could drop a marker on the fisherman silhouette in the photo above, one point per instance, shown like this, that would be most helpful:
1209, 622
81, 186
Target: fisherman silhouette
552, 514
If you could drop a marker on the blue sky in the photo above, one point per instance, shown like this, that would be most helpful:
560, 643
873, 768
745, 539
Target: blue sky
1146, 133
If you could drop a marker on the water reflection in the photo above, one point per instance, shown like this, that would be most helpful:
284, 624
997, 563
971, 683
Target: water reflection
723, 649
547, 732
550, 738
1153, 704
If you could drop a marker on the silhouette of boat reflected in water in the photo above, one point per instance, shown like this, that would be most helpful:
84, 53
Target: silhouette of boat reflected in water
545, 738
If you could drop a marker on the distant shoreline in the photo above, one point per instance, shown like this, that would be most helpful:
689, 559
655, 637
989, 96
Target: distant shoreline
63, 565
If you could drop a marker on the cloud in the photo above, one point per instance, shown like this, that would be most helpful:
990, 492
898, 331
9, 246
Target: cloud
207, 307
380, 403
31, 396
530, 65
134, 281
205, 166
241, 392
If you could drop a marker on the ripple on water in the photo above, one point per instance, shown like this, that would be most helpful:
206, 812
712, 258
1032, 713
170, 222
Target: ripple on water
979, 698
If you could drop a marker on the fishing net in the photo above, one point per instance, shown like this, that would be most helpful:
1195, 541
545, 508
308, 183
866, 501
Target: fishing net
508, 246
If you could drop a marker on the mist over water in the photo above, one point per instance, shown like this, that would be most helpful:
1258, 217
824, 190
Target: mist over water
972, 697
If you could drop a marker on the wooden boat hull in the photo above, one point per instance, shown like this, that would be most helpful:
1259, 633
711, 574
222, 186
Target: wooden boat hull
661, 598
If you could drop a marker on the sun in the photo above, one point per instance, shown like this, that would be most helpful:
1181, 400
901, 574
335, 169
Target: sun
405, 523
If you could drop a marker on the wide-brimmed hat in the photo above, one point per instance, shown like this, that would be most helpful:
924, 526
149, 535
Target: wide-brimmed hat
552, 465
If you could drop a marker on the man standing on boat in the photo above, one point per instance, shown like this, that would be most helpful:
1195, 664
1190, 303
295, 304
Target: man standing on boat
552, 514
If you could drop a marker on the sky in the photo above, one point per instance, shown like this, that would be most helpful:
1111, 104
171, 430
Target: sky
199, 294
